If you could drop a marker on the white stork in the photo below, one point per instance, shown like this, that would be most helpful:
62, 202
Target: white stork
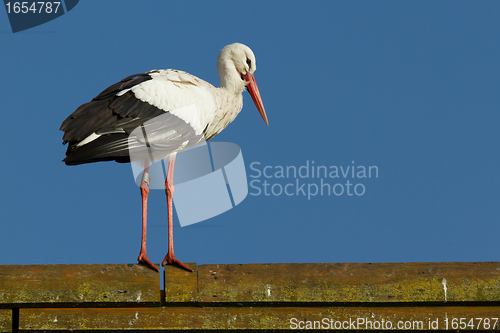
99, 130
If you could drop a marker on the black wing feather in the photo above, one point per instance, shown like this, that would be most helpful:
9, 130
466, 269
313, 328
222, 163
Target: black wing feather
114, 118
105, 148
110, 116
89, 117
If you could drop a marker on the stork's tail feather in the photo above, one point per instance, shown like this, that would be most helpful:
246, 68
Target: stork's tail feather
112, 147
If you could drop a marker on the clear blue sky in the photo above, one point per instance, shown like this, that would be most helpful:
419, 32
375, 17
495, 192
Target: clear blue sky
410, 87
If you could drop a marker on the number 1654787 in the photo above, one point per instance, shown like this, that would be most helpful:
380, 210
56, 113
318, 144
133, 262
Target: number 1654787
35, 7
474, 323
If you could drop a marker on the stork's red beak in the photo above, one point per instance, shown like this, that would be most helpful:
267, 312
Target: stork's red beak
254, 92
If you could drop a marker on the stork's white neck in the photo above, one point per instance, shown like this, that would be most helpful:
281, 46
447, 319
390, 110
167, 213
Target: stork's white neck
233, 60
229, 77
229, 104
229, 99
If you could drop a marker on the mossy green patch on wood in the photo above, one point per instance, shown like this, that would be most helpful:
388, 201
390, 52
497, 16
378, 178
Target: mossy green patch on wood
38, 285
5, 320
181, 285
392, 282
265, 318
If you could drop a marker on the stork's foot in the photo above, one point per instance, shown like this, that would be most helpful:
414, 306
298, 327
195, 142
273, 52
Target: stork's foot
171, 260
143, 260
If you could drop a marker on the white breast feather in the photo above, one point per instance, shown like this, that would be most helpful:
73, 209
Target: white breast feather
172, 91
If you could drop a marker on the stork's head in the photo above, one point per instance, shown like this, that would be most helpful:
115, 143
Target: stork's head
236, 65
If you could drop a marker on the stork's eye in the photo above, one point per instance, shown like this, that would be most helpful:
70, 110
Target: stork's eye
249, 63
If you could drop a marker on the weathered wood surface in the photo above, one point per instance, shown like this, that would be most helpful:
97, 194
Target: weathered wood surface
5, 320
181, 285
254, 296
264, 318
78, 285
352, 283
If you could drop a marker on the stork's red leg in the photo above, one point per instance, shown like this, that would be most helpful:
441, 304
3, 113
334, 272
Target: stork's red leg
143, 257
169, 190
